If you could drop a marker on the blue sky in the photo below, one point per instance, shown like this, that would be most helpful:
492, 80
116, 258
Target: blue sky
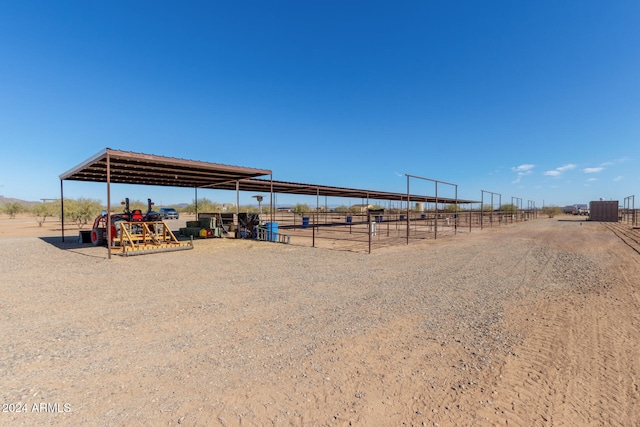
535, 100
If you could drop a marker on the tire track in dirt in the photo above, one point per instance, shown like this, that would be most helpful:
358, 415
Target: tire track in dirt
628, 236
532, 267
574, 366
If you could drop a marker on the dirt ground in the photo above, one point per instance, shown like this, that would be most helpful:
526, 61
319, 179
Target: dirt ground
535, 323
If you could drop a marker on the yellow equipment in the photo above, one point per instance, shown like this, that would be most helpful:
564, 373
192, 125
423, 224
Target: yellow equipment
145, 237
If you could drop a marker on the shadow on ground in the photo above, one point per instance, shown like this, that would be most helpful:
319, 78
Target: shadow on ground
75, 245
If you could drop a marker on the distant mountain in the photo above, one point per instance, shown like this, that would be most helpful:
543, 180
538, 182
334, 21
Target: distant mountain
9, 200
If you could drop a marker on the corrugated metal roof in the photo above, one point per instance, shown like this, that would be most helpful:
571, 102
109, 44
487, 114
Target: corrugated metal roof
283, 187
127, 167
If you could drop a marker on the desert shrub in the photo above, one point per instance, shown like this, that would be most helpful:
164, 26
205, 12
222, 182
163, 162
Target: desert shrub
551, 211
301, 208
204, 205
42, 211
451, 208
12, 209
509, 208
249, 208
82, 210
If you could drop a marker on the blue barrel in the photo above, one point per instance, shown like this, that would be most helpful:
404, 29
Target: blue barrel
401, 217
423, 216
348, 220
379, 218
305, 222
272, 231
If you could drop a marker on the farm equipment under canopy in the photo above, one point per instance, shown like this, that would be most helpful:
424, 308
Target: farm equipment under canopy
134, 232
248, 222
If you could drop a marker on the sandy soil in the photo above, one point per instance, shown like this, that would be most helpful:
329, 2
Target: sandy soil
535, 323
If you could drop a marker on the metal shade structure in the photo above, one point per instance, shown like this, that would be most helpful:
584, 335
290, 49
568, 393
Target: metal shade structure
126, 167
284, 187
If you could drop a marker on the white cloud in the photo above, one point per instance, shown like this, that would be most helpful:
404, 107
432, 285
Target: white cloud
592, 179
617, 178
522, 170
592, 170
558, 171
614, 162
566, 167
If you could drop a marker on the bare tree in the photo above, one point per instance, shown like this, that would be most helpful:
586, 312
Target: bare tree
43, 210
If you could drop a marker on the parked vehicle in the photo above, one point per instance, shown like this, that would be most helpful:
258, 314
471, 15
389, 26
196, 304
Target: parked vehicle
168, 213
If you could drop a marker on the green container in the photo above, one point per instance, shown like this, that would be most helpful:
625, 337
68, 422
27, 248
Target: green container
190, 231
193, 224
208, 222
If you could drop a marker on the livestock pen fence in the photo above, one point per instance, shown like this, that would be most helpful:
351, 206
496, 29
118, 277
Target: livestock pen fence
630, 217
365, 231
629, 213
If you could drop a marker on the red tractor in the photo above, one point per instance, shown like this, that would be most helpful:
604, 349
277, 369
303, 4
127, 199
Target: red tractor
99, 229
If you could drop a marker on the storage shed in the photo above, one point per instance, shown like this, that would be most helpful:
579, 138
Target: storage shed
604, 211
